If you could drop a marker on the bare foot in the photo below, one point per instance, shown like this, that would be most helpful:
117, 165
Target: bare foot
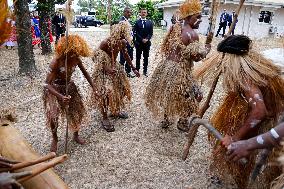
107, 125
53, 147
182, 125
121, 115
165, 123
77, 139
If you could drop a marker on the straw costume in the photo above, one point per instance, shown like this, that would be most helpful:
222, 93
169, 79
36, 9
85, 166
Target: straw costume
241, 67
172, 89
114, 89
5, 25
53, 105
278, 183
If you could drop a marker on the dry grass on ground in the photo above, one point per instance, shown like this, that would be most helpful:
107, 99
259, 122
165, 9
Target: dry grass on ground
138, 154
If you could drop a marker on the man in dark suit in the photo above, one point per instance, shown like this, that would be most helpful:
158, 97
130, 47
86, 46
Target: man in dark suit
127, 13
59, 22
230, 21
143, 32
223, 23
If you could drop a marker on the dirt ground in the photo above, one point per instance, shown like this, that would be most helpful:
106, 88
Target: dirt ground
139, 154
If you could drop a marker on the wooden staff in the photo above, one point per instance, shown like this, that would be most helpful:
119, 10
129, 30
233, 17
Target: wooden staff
212, 21
235, 18
193, 130
68, 10
29, 163
194, 120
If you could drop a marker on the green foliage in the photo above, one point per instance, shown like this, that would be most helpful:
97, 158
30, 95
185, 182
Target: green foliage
47, 6
100, 6
154, 13
83, 3
117, 7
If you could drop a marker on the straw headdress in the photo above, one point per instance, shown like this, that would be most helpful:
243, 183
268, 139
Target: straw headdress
190, 7
76, 44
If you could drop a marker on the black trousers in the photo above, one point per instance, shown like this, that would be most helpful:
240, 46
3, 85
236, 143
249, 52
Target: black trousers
59, 31
122, 60
222, 25
142, 48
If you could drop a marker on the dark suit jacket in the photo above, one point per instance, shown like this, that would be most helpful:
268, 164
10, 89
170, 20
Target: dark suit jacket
141, 32
56, 20
224, 18
230, 19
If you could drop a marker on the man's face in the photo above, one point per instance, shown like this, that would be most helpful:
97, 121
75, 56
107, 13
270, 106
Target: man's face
127, 13
225, 10
195, 20
143, 13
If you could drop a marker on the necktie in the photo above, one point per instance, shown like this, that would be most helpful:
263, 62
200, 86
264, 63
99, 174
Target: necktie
143, 23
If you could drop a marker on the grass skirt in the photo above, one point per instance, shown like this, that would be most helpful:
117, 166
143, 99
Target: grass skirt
228, 120
171, 90
55, 108
115, 90
236, 71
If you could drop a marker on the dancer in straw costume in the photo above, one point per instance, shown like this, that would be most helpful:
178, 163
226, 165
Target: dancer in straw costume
109, 77
5, 22
55, 98
172, 91
254, 100
271, 139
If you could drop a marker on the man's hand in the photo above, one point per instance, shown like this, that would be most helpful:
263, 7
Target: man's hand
238, 150
136, 72
8, 181
66, 99
227, 140
196, 57
144, 40
110, 71
6, 163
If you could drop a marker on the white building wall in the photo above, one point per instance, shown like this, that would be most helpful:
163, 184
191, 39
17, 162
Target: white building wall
279, 21
168, 13
248, 23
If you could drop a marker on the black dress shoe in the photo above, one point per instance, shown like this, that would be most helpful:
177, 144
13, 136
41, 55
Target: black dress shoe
145, 74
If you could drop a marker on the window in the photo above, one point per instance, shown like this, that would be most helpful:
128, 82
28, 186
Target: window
265, 17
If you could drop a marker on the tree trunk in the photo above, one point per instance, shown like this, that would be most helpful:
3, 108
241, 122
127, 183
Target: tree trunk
24, 37
44, 17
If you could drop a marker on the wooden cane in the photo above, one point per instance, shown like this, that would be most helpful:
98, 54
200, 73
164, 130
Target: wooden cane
212, 21
44, 166
235, 18
193, 129
195, 120
29, 163
68, 9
